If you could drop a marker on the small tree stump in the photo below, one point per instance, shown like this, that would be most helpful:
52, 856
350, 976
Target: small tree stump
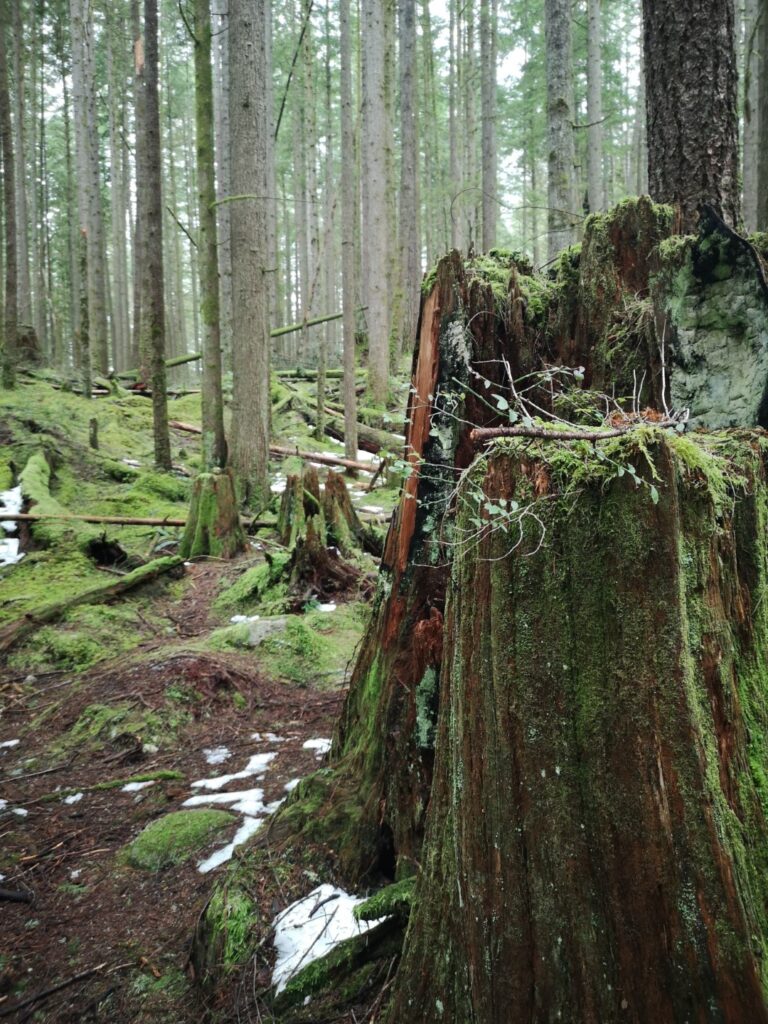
213, 526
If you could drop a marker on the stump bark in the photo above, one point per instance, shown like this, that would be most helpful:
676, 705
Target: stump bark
213, 525
597, 840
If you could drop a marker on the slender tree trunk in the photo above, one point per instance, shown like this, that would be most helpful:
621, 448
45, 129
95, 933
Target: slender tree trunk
222, 39
348, 232
214, 444
453, 142
150, 200
560, 120
249, 452
752, 62
20, 169
374, 227
690, 67
595, 107
10, 308
488, 103
762, 122
116, 87
409, 260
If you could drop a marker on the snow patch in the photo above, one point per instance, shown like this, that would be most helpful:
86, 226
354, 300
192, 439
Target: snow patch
290, 786
257, 765
134, 787
215, 755
248, 828
267, 737
330, 607
311, 927
9, 743
21, 811
73, 798
321, 746
236, 619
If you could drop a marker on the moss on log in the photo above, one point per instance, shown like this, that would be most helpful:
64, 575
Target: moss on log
15, 631
600, 789
213, 525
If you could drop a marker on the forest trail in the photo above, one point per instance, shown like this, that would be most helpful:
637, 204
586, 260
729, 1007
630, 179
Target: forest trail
176, 684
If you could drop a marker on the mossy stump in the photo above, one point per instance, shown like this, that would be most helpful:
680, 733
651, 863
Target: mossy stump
213, 526
596, 845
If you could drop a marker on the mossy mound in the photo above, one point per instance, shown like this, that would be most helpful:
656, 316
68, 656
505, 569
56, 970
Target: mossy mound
101, 725
176, 837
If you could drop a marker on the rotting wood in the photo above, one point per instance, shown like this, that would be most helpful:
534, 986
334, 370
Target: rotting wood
22, 517
15, 631
482, 434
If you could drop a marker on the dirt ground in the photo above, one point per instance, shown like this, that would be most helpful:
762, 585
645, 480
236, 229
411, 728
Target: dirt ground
95, 939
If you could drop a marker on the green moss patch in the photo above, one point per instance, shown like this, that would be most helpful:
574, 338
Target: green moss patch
101, 725
176, 837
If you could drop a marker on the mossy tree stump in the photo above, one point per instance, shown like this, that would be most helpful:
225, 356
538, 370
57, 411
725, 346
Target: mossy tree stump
213, 526
589, 830
596, 848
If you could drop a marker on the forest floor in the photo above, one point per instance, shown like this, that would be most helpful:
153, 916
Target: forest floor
156, 692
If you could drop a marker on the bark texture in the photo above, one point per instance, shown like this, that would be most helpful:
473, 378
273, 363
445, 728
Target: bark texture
690, 76
560, 119
597, 832
249, 439
10, 313
214, 444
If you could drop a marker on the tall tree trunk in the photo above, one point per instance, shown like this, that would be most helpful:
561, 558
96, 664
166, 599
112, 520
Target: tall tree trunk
762, 123
348, 232
453, 130
249, 452
150, 202
595, 107
20, 65
752, 62
222, 40
488, 102
690, 71
10, 309
409, 261
375, 222
116, 93
214, 444
560, 120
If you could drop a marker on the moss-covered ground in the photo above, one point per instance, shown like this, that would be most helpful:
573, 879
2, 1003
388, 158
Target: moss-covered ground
131, 694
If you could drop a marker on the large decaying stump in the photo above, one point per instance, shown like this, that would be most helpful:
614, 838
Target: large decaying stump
557, 718
596, 845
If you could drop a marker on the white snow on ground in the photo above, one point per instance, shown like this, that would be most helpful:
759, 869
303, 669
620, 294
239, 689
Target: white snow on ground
10, 502
322, 746
244, 618
215, 755
10, 743
257, 765
248, 828
330, 607
278, 486
311, 927
3, 804
131, 462
247, 801
73, 798
290, 786
134, 787
21, 811
267, 737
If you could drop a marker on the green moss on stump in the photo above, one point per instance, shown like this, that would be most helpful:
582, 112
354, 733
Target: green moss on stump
213, 526
176, 837
392, 900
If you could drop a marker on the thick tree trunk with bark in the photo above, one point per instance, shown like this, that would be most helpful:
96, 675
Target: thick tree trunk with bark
690, 76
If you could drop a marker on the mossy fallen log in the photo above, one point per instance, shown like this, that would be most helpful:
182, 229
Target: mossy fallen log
17, 630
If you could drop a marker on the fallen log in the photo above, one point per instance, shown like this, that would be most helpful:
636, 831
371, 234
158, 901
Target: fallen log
321, 457
15, 631
31, 517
